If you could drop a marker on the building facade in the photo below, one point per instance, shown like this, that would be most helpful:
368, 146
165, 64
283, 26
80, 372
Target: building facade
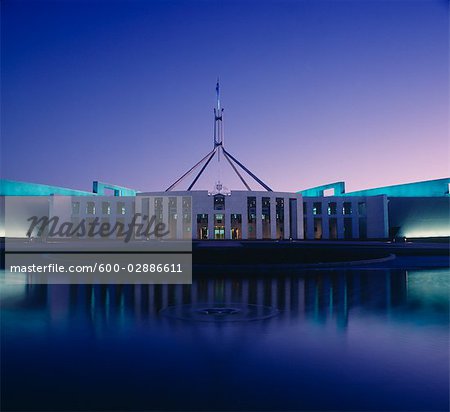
235, 215
337, 217
322, 213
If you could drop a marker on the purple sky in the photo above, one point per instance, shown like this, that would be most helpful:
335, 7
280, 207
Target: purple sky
314, 91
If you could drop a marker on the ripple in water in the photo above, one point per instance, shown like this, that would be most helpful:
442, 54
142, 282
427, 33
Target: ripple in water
219, 312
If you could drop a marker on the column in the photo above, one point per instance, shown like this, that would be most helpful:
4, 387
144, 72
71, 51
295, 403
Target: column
138, 210
244, 215
287, 218
355, 222
258, 217
325, 222
310, 223
179, 217
165, 205
273, 218
340, 219
299, 218
151, 212
227, 224
211, 224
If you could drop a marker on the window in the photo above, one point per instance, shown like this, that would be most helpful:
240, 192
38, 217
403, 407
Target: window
317, 208
266, 208
332, 227
279, 209
106, 208
75, 208
219, 226
219, 202
348, 228
187, 217
279, 217
362, 208
202, 226
332, 208
251, 217
251, 209
362, 224
187, 211
90, 208
202, 218
317, 228
305, 208
347, 208
120, 208
158, 203
236, 226
173, 216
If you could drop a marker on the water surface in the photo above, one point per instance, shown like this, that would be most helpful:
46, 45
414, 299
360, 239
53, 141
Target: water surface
316, 340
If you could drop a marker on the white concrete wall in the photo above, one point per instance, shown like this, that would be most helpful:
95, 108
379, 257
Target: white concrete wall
377, 217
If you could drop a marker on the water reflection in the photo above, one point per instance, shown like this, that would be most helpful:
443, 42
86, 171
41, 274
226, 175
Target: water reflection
340, 340
318, 296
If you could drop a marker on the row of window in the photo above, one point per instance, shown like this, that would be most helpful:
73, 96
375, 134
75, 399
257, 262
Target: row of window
332, 208
219, 218
347, 228
219, 204
91, 208
251, 217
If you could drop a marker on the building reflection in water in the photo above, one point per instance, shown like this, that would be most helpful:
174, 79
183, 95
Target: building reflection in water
318, 296
368, 338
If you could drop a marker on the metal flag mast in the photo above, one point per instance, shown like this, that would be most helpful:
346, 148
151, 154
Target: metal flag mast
218, 148
218, 119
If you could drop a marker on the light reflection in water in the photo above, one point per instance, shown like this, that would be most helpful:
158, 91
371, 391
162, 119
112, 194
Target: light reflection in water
367, 338
320, 296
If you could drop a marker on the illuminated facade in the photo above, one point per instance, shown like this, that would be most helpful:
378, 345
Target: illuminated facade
312, 214
413, 210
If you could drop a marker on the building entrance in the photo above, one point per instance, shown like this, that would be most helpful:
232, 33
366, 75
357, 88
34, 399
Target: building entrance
219, 232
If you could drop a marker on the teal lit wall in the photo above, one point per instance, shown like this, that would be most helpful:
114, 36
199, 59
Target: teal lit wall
14, 188
338, 187
419, 217
429, 188
100, 187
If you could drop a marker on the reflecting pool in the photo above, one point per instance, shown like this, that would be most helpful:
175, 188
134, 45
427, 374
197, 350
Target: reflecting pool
289, 340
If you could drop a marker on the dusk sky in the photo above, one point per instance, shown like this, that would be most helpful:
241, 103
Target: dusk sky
314, 91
